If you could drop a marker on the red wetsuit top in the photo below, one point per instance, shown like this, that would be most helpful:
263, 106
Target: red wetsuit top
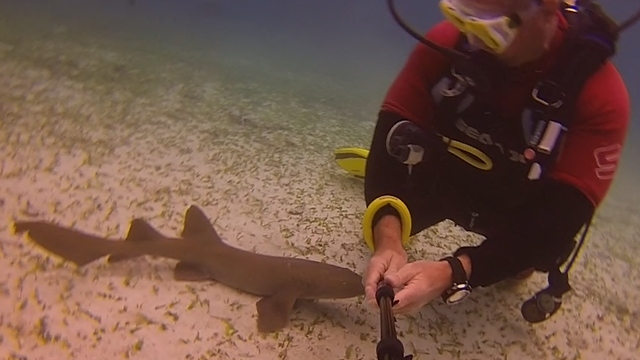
593, 146
584, 168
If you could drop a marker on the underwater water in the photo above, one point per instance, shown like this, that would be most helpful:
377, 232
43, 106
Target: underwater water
112, 110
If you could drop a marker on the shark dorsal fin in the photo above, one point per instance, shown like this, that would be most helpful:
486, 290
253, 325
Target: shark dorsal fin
198, 226
140, 230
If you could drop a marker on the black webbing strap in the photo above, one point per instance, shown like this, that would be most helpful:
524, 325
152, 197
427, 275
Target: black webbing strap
590, 42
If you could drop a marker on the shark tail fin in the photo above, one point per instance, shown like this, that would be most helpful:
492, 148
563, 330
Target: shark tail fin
139, 230
71, 245
198, 226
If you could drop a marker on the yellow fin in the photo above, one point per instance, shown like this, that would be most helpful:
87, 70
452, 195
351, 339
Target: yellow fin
353, 160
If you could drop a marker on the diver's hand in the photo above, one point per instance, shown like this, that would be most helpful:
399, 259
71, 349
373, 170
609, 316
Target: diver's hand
384, 260
419, 282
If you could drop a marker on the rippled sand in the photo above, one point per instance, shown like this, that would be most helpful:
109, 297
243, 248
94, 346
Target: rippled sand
93, 136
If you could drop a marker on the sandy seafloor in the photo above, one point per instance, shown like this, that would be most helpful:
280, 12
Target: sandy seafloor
96, 133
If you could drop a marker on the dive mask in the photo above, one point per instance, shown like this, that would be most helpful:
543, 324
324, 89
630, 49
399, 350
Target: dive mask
495, 31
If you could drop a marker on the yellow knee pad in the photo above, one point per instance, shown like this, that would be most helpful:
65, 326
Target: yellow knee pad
372, 209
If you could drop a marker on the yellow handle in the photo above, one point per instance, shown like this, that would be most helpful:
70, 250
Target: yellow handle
372, 209
467, 153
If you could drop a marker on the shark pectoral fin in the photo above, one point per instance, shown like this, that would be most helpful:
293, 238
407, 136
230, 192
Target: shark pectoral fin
186, 271
139, 230
274, 311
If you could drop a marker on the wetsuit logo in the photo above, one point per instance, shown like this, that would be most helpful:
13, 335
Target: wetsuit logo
607, 161
476, 157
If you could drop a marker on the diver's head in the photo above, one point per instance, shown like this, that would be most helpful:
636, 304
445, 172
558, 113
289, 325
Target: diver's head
516, 31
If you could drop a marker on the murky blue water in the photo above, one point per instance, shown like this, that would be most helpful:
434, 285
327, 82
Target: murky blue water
271, 67
355, 46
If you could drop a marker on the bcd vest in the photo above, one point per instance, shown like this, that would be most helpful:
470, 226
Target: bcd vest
491, 160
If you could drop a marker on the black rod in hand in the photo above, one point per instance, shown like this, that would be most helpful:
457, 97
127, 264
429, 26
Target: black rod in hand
389, 347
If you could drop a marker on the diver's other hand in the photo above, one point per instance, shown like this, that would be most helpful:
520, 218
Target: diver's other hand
384, 260
419, 282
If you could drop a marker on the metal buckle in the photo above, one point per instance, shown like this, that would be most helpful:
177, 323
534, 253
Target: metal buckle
545, 96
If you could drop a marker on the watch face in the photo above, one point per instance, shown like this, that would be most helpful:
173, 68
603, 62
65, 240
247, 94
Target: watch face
458, 296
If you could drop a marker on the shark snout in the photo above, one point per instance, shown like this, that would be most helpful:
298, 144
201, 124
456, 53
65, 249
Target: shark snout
351, 285
356, 287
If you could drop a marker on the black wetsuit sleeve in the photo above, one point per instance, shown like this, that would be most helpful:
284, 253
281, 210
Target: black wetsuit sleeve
537, 236
383, 173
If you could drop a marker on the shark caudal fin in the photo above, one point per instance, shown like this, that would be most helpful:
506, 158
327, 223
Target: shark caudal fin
198, 227
71, 245
139, 230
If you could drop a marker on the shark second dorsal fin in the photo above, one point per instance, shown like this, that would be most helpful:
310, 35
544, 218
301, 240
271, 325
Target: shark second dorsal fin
139, 230
198, 226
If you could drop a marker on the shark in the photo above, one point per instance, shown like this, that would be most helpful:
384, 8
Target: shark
203, 256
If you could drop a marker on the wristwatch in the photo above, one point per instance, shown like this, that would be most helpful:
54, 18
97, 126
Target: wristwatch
460, 288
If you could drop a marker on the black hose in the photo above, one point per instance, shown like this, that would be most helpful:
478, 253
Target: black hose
630, 21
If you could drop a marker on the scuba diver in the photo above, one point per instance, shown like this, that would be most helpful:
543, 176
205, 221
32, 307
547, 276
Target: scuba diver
509, 119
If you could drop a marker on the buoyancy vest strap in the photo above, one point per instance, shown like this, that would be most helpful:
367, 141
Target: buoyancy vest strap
590, 42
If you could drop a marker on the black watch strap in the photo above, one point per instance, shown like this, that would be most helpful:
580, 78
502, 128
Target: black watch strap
459, 275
